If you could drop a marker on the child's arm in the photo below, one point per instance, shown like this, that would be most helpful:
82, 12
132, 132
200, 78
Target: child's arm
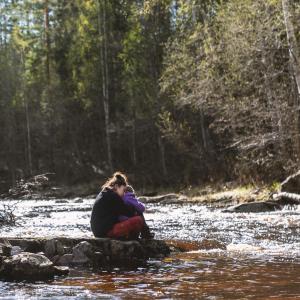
130, 199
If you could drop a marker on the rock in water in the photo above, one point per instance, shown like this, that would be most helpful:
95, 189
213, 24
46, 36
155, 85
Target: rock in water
61, 201
166, 199
16, 250
29, 266
59, 270
78, 200
123, 250
54, 247
95, 252
5, 249
50, 247
209, 244
82, 253
292, 184
205, 244
254, 207
65, 260
155, 248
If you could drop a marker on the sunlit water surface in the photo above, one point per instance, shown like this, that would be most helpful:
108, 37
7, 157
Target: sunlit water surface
262, 259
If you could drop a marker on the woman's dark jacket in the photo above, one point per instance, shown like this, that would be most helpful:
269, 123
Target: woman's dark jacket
106, 209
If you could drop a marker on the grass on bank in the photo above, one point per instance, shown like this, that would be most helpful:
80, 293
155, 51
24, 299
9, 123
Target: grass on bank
222, 192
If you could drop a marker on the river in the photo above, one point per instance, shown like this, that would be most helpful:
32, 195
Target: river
261, 260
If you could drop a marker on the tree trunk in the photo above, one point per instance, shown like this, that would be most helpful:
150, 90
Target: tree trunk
156, 76
134, 158
294, 59
292, 41
273, 102
203, 131
133, 128
102, 25
28, 136
10, 120
47, 41
52, 131
162, 155
28, 131
12, 148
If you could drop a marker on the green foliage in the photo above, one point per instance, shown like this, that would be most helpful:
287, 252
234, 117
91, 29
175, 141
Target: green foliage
275, 186
198, 90
235, 70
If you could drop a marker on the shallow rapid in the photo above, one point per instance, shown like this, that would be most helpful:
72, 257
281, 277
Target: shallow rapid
261, 260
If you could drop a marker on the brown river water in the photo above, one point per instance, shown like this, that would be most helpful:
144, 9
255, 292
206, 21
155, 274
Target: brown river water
261, 259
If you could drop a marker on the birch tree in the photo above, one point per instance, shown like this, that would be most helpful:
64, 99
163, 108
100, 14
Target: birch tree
102, 25
292, 41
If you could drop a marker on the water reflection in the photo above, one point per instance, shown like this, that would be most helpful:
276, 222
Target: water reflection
199, 275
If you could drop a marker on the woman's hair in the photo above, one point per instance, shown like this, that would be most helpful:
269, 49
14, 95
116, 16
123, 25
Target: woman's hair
129, 189
118, 179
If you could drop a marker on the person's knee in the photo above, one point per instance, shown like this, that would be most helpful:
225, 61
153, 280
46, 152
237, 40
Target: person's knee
139, 221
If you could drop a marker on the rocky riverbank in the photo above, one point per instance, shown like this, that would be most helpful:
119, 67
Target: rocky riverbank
44, 186
237, 199
228, 196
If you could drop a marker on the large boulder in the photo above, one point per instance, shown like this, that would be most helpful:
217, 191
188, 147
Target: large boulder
254, 207
291, 184
29, 266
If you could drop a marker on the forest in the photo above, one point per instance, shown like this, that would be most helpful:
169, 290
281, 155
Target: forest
149, 149
174, 92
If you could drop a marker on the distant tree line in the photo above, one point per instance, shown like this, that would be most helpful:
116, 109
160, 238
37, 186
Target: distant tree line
172, 92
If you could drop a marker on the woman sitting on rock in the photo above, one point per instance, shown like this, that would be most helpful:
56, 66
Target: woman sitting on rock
107, 208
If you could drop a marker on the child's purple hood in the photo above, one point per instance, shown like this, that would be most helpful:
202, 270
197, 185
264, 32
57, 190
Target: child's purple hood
130, 199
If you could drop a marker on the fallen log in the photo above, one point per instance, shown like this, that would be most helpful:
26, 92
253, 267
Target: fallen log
286, 198
291, 184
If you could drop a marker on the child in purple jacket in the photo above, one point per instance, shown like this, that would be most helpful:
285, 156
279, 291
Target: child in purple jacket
130, 199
